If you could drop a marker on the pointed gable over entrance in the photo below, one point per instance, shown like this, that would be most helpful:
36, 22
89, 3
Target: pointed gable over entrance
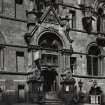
49, 15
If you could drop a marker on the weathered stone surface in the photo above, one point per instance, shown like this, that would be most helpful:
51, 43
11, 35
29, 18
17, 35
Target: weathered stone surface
12, 32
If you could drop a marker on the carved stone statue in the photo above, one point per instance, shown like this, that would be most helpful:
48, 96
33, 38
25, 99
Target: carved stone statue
67, 74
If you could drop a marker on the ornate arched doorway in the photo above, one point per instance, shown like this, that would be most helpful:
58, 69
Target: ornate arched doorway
50, 59
51, 41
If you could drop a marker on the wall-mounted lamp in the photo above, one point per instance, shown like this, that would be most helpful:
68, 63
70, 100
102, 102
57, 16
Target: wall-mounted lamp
68, 85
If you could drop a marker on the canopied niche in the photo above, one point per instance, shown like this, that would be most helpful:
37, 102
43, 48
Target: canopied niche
99, 12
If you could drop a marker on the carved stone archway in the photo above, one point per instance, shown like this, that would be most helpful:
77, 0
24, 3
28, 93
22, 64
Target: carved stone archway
98, 4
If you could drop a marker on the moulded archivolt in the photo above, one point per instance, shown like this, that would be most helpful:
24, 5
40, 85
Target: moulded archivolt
98, 4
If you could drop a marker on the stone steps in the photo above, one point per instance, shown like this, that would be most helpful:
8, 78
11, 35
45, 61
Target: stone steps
53, 102
48, 103
26, 104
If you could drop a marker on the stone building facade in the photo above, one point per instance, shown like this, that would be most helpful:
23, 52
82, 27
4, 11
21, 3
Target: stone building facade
50, 24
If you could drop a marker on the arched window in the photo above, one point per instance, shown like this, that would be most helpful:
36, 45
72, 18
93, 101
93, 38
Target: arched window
93, 60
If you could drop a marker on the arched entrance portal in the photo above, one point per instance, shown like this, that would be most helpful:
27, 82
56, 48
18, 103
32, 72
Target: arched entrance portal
50, 40
49, 59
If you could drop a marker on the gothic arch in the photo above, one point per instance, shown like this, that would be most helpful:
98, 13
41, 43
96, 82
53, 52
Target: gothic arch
98, 4
93, 44
54, 32
93, 59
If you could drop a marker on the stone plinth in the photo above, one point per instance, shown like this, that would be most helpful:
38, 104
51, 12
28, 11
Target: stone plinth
35, 90
69, 91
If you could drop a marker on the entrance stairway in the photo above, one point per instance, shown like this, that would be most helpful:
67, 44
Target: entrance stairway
54, 102
52, 99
